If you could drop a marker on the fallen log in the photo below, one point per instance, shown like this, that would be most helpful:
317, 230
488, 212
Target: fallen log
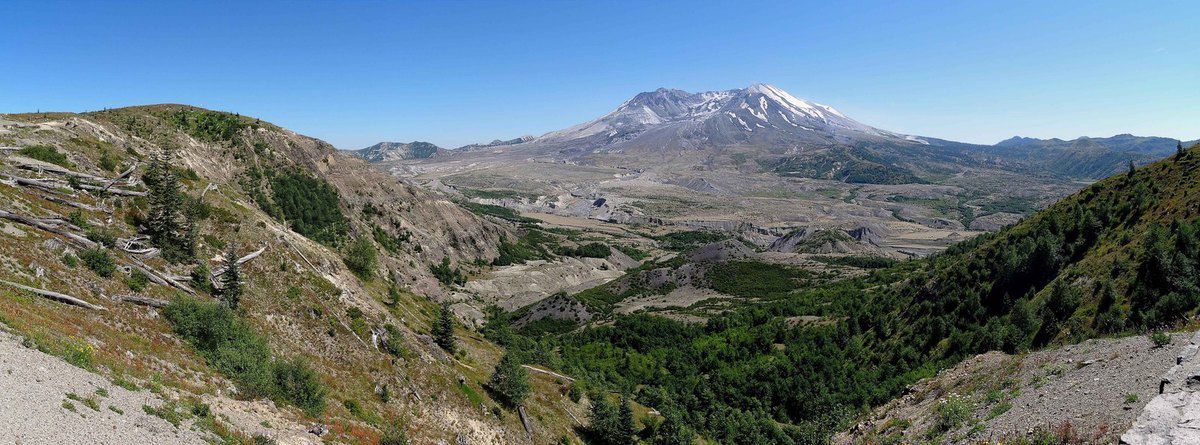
43, 166
77, 239
160, 278
252, 255
114, 190
144, 301
78, 205
63, 298
120, 176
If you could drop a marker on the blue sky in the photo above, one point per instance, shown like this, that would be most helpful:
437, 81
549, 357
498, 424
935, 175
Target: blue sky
452, 73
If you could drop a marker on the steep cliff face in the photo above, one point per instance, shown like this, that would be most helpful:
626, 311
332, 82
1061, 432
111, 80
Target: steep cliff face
299, 212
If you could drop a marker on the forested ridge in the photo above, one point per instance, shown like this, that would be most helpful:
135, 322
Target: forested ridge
1120, 257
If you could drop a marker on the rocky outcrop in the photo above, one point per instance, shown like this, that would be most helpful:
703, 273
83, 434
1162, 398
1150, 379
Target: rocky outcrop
1172, 417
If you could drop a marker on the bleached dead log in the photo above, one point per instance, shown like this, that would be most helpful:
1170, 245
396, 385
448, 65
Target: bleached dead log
144, 301
113, 190
548, 372
120, 176
50, 186
161, 278
43, 166
74, 238
62, 298
252, 255
525, 421
78, 205
210, 186
136, 245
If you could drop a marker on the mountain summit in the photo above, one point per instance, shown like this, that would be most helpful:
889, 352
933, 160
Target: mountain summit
759, 112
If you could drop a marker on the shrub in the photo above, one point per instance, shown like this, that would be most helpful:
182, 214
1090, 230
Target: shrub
137, 280
46, 153
98, 261
102, 236
361, 258
590, 250
228, 344
299, 385
446, 274
1160, 339
952, 411
394, 343
394, 435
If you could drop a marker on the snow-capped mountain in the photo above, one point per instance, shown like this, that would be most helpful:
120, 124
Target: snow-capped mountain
759, 112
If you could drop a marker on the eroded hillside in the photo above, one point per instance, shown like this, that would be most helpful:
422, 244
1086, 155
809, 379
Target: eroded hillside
338, 266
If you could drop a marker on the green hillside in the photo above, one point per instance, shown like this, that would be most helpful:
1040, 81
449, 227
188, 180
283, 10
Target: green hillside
1119, 257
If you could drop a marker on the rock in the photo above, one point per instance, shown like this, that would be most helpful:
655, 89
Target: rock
318, 429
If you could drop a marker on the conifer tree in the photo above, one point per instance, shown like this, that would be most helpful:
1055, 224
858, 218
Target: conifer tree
166, 223
231, 279
625, 425
443, 329
1178, 150
510, 380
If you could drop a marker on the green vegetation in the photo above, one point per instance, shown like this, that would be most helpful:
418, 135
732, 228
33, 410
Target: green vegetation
589, 250
1118, 257
98, 261
687, 240
443, 329
208, 126
755, 280
1160, 339
533, 245
229, 345
171, 227
309, 205
388, 241
857, 165
230, 291
137, 280
46, 153
361, 258
633, 252
609, 424
510, 381
447, 274
863, 262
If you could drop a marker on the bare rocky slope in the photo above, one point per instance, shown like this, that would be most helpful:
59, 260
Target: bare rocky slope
63, 190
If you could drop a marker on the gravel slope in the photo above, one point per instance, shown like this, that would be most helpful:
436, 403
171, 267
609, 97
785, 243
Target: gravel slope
33, 395
1095, 388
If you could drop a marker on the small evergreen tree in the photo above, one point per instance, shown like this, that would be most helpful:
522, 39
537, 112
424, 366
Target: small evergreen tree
166, 223
625, 425
1132, 168
443, 329
604, 424
231, 279
673, 432
1178, 150
510, 380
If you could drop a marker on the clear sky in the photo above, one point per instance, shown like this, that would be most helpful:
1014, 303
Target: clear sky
355, 73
